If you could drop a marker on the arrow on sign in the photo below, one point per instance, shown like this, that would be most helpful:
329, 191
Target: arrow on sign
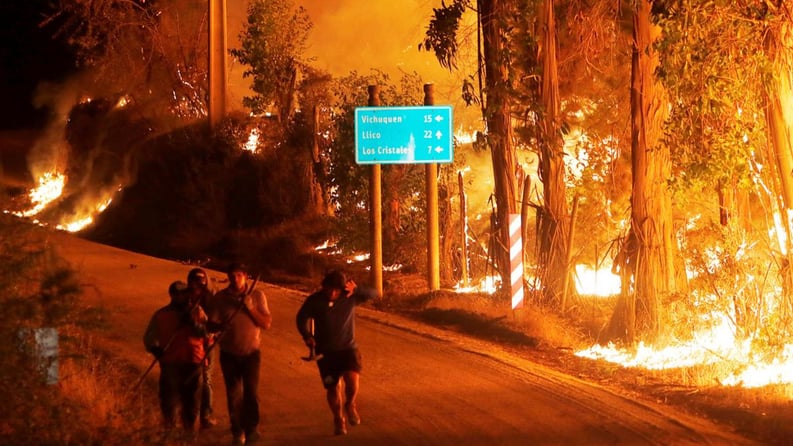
438, 118
439, 134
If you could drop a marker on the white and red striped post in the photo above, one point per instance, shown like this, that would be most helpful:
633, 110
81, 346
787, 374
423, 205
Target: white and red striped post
516, 260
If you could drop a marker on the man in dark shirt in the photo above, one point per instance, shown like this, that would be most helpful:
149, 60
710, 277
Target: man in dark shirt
331, 313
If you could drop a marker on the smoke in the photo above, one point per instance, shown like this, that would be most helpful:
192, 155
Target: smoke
94, 171
350, 35
50, 152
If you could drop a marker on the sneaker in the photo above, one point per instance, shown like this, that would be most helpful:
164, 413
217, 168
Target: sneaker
208, 422
340, 427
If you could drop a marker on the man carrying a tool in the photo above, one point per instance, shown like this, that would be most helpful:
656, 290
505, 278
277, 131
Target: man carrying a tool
326, 321
175, 336
238, 313
199, 294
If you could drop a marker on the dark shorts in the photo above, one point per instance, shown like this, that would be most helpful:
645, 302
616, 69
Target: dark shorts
333, 364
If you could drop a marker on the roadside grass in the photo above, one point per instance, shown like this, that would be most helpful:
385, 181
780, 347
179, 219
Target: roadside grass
76, 396
93, 403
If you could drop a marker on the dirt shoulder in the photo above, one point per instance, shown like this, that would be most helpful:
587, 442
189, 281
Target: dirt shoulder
763, 414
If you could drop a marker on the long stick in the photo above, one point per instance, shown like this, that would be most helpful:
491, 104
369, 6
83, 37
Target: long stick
226, 322
167, 345
312, 351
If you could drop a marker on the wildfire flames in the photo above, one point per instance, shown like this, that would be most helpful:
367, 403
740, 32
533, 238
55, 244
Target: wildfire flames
50, 188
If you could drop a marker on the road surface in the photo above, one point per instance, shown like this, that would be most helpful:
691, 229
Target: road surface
420, 385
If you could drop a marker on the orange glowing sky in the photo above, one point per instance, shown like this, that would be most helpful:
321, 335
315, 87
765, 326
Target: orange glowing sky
351, 35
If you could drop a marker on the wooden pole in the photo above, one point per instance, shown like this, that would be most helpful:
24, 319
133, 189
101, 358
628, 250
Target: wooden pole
463, 231
217, 61
524, 212
433, 227
376, 209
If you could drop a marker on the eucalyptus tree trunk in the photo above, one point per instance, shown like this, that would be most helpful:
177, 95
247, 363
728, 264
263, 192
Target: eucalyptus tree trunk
499, 126
554, 224
779, 116
651, 255
393, 176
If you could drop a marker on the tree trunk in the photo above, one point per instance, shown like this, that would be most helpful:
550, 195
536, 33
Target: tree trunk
652, 258
393, 176
446, 231
779, 116
499, 127
554, 227
318, 199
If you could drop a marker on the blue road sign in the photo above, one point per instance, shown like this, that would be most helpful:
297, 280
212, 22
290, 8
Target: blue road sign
403, 135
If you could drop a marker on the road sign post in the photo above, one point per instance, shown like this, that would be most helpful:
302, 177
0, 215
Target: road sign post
408, 135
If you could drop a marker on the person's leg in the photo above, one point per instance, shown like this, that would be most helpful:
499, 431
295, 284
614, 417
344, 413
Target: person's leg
351, 380
250, 396
351, 367
232, 377
206, 394
328, 370
190, 392
333, 395
169, 395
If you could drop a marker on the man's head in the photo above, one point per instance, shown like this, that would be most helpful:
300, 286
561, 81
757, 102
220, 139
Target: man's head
197, 278
178, 292
335, 283
238, 274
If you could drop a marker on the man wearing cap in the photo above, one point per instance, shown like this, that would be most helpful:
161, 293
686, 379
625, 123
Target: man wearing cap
332, 335
175, 336
199, 294
240, 314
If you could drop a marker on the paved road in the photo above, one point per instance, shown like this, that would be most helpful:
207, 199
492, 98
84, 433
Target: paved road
420, 385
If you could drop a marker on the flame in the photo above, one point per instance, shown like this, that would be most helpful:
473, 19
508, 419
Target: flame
81, 222
252, 145
716, 345
488, 284
596, 282
50, 187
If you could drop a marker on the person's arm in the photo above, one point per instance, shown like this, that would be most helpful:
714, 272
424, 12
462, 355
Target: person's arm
302, 321
360, 294
256, 306
151, 338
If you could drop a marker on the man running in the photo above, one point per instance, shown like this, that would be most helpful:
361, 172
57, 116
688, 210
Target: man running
332, 311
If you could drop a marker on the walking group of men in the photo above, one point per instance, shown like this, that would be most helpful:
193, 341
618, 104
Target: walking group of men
183, 335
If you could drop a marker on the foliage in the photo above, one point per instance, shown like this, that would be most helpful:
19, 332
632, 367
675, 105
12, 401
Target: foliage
714, 65
153, 51
732, 278
349, 182
38, 290
273, 42
441, 36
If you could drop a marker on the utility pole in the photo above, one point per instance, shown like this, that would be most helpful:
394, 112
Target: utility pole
217, 61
